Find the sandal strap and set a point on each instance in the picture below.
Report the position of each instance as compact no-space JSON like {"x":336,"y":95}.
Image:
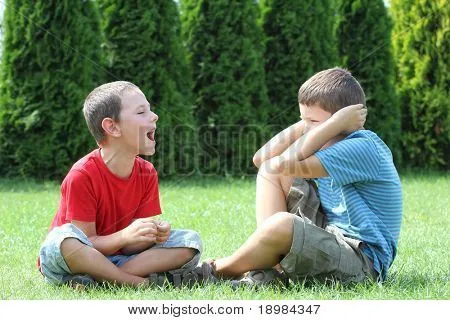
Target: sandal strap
{"x":177,"y":280}
{"x":202,"y":273}
{"x":269,"y":277}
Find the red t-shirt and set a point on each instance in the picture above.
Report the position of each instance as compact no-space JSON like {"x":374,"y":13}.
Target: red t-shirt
{"x":92,"y":193}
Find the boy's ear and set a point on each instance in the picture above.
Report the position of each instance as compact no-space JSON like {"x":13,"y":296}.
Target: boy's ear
{"x":111,"y":127}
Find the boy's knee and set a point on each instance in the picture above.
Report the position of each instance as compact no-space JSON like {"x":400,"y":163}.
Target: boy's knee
{"x":71,"y":246}
{"x":194,"y":246}
{"x":75,"y":253}
{"x":278,"y":228}
{"x":195,"y":238}
{"x":186,"y":254}
{"x":187,"y":239}
{"x":265,"y":172}
{"x":281,"y":221}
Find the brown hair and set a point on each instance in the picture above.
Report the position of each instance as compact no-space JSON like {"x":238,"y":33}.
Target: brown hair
{"x":332,"y":90}
{"x":104,"y":102}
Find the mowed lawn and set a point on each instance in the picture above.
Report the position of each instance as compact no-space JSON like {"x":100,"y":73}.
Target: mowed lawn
{"x":222,"y":211}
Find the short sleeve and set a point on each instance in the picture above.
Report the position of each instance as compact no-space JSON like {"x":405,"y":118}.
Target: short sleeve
{"x":351,"y":160}
{"x":78,"y":192}
{"x":150,"y":204}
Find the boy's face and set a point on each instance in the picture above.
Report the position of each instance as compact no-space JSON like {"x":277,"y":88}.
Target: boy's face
{"x":313,"y":116}
{"x":137,"y":123}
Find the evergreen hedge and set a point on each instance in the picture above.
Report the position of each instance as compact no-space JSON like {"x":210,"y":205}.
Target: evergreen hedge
{"x":364,"y":45}
{"x":144,"y":46}
{"x":300,"y":41}
{"x":421,"y":41}
{"x":225,"y":50}
{"x":52,"y":58}
{"x":51,"y":61}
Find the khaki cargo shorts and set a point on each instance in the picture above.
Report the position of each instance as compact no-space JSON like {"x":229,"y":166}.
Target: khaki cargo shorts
{"x":319,"y":250}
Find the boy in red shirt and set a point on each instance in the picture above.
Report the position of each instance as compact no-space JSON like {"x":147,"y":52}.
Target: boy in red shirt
{"x":104,"y":228}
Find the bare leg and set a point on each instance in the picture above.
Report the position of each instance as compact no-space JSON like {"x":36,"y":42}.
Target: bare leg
{"x":158,"y":260}
{"x":264,"y":248}
{"x":81,"y":258}
{"x":271,"y":192}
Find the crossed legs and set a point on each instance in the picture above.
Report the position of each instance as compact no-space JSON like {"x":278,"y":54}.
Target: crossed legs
{"x":82,"y":259}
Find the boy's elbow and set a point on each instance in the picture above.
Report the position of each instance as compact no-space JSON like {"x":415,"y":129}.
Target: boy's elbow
{"x":257,"y":160}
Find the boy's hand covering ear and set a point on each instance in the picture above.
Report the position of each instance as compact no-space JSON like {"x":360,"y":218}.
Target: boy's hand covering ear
{"x":350,"y":118}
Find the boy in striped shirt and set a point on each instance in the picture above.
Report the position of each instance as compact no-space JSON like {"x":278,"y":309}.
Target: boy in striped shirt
{"x":351,"y":234}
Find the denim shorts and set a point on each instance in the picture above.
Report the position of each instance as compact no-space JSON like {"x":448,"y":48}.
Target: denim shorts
{"x":56,"y":271}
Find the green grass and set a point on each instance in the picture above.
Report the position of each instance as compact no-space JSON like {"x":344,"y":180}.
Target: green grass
{"x":222,"y":211}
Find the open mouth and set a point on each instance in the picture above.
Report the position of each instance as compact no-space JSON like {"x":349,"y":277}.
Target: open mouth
{"x":151,"y":135}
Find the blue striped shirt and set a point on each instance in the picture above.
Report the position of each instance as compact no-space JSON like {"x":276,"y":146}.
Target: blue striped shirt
{"x":362,"y":195}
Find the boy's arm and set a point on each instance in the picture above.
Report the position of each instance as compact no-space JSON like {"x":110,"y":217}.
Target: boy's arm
{"x":279,"y":143}
{"x":141,"y":231}
{"x":163,"y":229}
{"x":137,"y":247}
{"x":299,"y":160}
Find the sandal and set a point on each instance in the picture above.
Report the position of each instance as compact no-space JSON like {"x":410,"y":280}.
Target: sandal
{"x":81,"y":282}
{"x":201,"y":274}
{"x":262,"y":278}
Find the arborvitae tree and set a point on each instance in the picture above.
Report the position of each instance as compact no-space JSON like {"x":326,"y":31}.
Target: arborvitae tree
{"x":300,"y":41}
{"x":51,"y":61}
{"x":144,"y":46}
{"x":421,"y":41}
{"x":364,"y":32}
{"x":229,"y":86}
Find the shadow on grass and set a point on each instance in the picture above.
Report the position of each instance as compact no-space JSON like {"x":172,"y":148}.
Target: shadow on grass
{"x":398,"y":286}
{"x":407,"y":280}
{"x":396,"y":280}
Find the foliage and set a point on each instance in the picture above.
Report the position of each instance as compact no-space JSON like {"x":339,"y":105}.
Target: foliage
{"x":51,"y":61}
{"x":144,"y":46}
{"x":364,"y":32}
{"x":421,"y":41}
{"x":225,"y":51}
{"x":300,"y":41}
